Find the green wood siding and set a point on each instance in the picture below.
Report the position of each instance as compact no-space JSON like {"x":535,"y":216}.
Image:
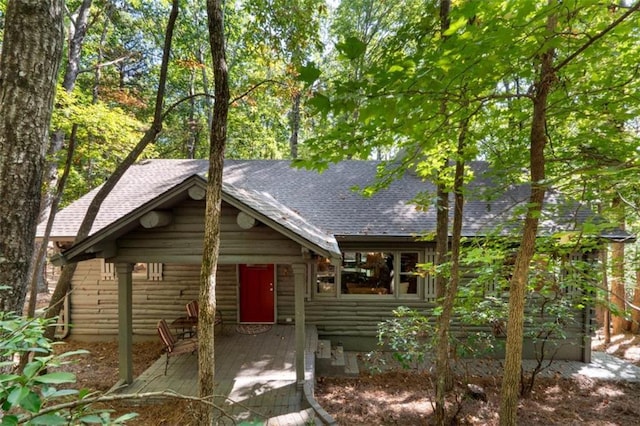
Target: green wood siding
{"x":181,"y":241}
{"x":94,"y":308}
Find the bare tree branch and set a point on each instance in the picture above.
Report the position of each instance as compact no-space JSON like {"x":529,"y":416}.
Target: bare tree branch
{"x":106,"y":64}
{"x":183,"y":100}
{"x":253,"y":88}
{"x":208,"y":400}
{"x":597,"y":37}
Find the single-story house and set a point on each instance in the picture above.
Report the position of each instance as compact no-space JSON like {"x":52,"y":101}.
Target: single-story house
{"x":296,"y":247}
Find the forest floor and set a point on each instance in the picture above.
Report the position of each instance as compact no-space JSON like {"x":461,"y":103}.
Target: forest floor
{"x":400,"y":397}
{"x":408,"y":397}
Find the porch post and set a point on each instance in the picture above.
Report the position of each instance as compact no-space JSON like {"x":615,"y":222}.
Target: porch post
{"x":125,"y":320}
{"x":300,"y":278}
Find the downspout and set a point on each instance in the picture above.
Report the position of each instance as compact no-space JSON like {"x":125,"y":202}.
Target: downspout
{"x":300,"y":278}
{"x":64,"y":319}
{"x":62,"y":327}
{"x":587,"y":314}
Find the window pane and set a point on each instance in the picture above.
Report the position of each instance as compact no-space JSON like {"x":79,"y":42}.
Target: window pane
{"x":408,"y":275}
{"x":367,"y":273}
{"x":326,"y":276}
{"x":140,"y":271}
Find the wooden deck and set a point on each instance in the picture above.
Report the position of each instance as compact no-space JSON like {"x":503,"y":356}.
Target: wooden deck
{"x":255,"y":377}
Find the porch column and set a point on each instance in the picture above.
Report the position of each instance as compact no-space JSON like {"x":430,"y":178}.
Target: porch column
{"x":300,"y":279}
{"x":125,"y":320}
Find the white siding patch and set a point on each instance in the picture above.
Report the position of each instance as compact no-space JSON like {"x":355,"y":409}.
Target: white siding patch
{"x":108,"y":271}
{"x":430,"y":279}
{"x":154,"y":271}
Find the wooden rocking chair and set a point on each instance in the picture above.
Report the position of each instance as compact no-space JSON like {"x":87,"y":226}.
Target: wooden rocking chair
{"x":192,"y":313}
{"x":173,"y":347}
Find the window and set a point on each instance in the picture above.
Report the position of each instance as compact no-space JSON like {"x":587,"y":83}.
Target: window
{"x":325,"y":277}
{"x":371,"y":274}
{"x":408,"y":273}
{"x":141,"y":271}
{"x":148,"y":271}
{"x":367,"y":273}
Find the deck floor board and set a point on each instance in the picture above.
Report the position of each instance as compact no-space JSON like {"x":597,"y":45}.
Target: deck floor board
{"x":256,"y":371}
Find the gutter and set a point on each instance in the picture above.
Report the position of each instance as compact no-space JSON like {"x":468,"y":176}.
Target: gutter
{"x":60,"y":259}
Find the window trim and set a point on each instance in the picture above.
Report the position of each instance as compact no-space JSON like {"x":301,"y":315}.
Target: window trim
{"x":152,"y":272}
{"x":423,"y":282}
{"x":314,"y":281}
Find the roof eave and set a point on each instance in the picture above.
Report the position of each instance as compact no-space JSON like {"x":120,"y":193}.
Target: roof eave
{"x":82,"y":250}
{"x":305,"y":242}
{"x":75,"y":253}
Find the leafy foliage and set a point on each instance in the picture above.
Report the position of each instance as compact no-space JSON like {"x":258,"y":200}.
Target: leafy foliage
{"x":31,"y":396}
{"x":106,"y":133}
{"x":563,"y":280}
{"x":408,"y":335}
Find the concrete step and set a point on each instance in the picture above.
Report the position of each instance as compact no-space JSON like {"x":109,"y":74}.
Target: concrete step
{"x":351,"y":364}
{"x":341,"y":364}
{"x":324,"y":349}
{"x":337,"y":356}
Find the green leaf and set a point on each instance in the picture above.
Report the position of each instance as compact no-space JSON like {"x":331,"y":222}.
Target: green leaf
{"x":72,"y":353}
{"x":63,"y":392}
{"x":320,"y":102}
{"x":8,"y":377}
{"x":49,"y":419}
{"x":32,"y":368}
{"x":84,"y":392}
{"x":17,"y":395}
{"x":91,"y":418}
{"x":125,"y":417}
{"x":31,"y":402}
{"x":56,"y":378}
{"x":9,"y":420}
{"x":308,"y":73}
{"x":455,"y":26}
{"x":352,"y":47}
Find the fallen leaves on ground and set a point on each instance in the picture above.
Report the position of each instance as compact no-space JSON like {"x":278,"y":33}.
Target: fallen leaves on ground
{"x":392,"y":398}
{"x":403,"y":398}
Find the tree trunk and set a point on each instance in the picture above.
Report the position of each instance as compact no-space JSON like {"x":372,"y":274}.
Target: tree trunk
{"x":618,"y":321}
{"x":211,"y":244}
{"x":294,"y":119}
{"x":192,"y":137}
{"x":442,"y":236}
{"x":77,"y":32}
{"x":31,"y":52}
{"x":442,"y":195}
{"x":64,"y":281}
{"x":444,"y":378}
{"x":38,"y":261}
{"x":97,"y":73}
{"x":518,"y":283}
{"x":635,"y":315}
{"x":205,"y":86}
{"x":606,"y":320}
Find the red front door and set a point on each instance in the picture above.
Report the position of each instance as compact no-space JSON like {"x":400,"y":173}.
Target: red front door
{"x":257,"y":294}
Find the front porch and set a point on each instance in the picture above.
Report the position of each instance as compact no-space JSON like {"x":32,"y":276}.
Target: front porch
{"x":255,"y":376}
